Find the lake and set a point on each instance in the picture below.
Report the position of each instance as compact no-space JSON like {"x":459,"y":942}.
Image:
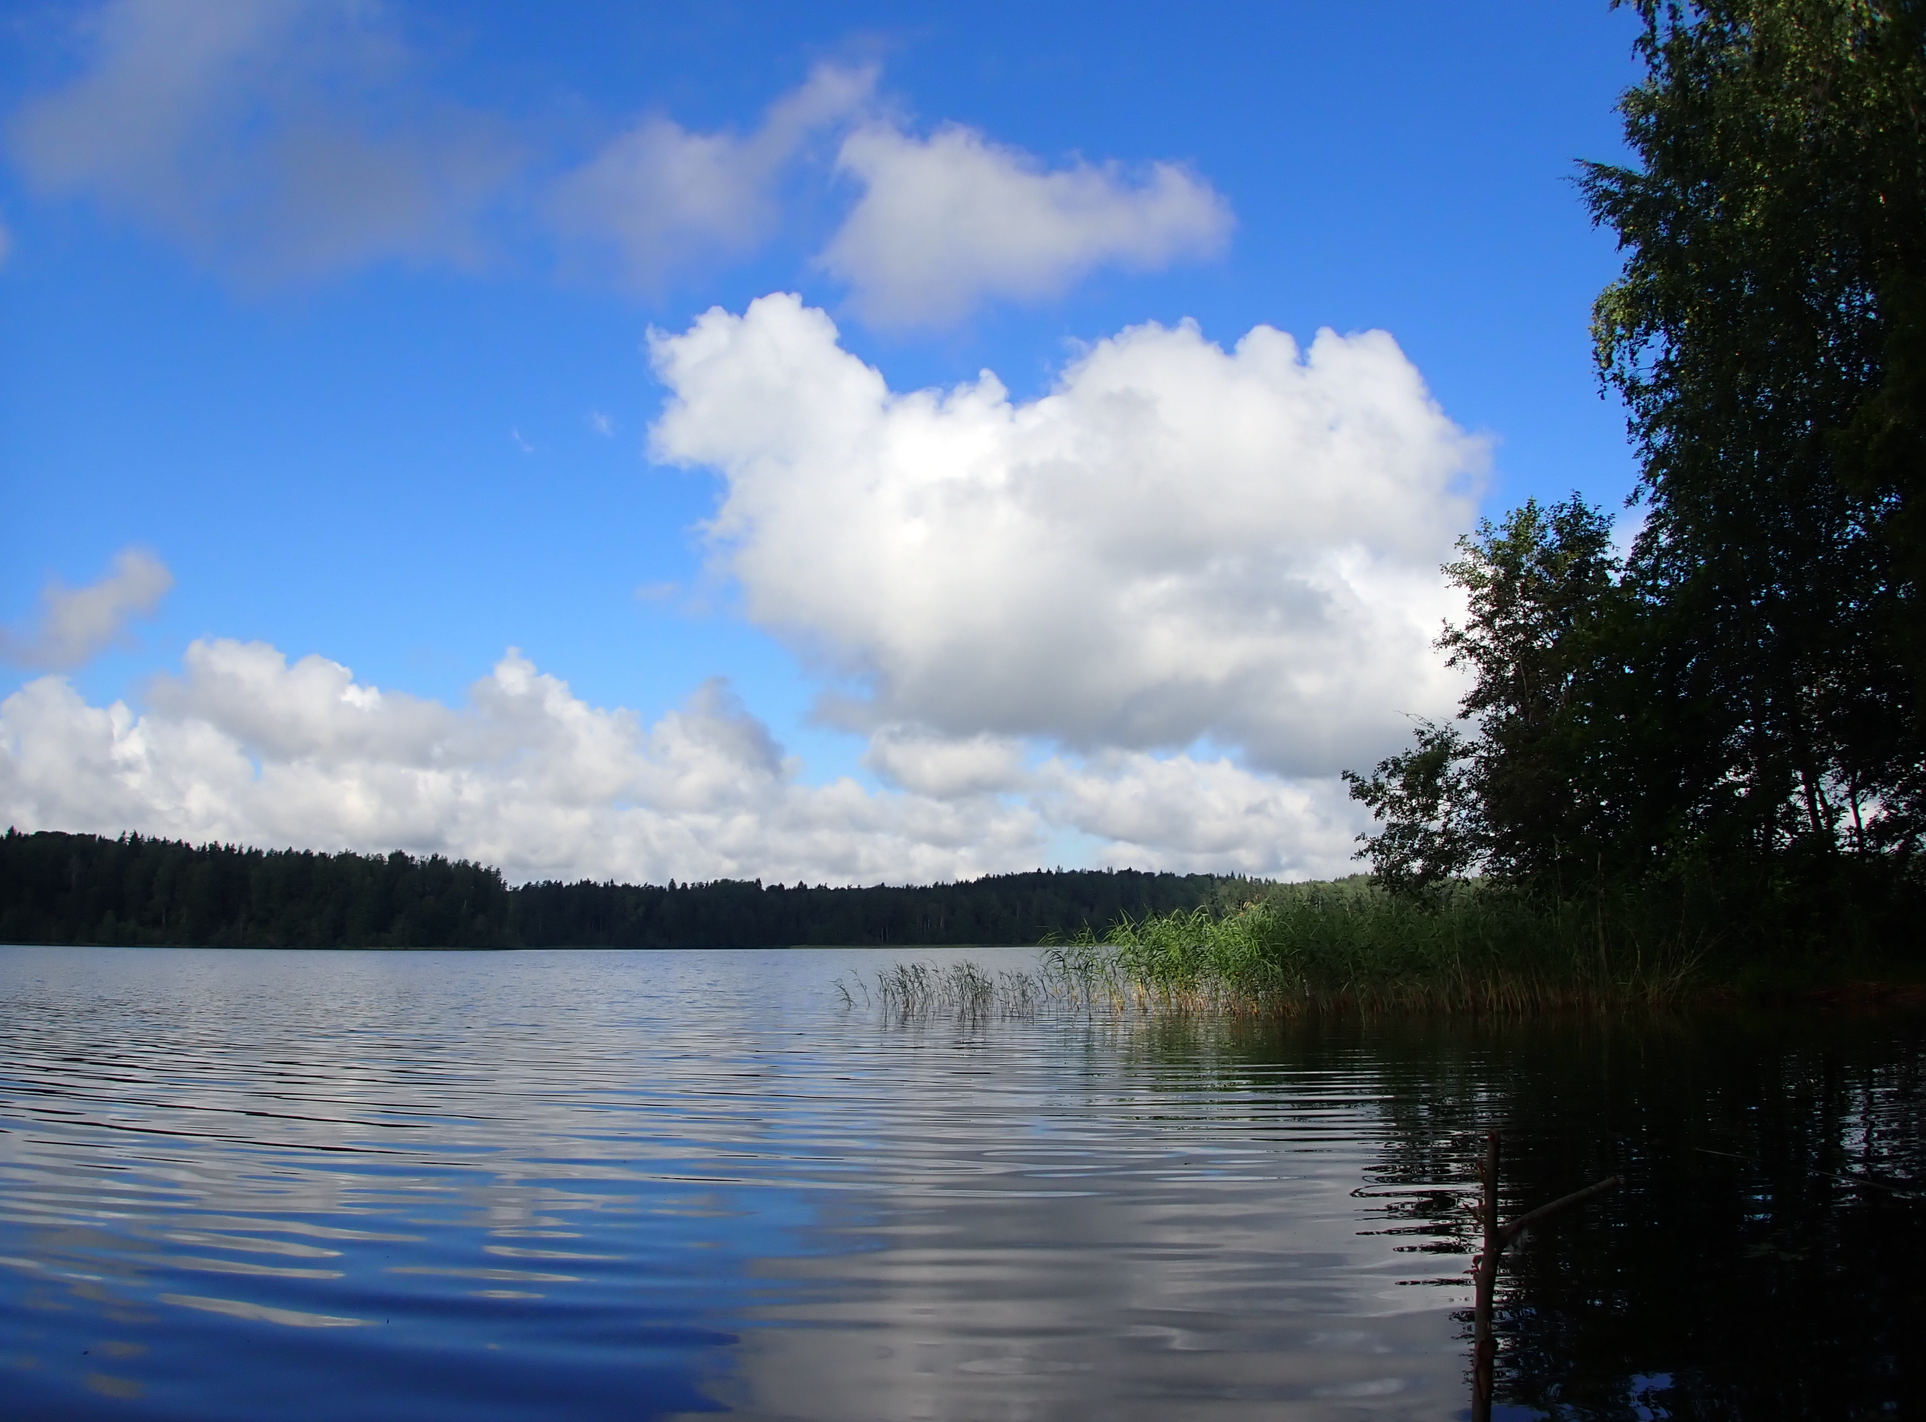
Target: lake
{"x":598,"y":1184}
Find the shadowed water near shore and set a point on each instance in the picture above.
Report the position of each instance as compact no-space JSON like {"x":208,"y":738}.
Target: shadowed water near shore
{"x":583,"y":1184}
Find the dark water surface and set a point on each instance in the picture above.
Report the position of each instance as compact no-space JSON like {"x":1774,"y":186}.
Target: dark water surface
{"x":630,"y":1185}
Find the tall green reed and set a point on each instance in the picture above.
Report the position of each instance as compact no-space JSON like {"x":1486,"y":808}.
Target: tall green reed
{"x":918,"y":991}
{"x":1351,"y":946}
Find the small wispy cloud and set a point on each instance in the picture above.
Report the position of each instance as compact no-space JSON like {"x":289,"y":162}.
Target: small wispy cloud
{"x":76,"y":624}
{"x":601,"y":423}
{"x":285,"y":140}
{"x":523,"y":445}
{"x":948,"y":221}
{"x":272,"y":139}
{"x":659,"y":196}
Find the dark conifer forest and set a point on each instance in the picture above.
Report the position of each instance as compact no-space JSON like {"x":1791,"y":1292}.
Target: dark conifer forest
{"x":79,"y":888}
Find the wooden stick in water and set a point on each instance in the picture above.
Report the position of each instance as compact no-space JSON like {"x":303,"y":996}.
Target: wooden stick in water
{"x":1484,"y":1348}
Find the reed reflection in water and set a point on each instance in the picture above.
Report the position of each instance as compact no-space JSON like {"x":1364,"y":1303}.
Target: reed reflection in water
{"x":656,"y":1184}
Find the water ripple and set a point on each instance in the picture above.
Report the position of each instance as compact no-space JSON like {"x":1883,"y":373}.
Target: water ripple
{"x":554,"y":1185}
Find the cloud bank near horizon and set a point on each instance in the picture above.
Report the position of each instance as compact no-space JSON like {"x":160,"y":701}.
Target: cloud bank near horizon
{"x":1145,"y":619}
{"x":244,"y":746}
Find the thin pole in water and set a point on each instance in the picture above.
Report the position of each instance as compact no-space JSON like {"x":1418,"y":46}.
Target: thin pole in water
{"x":1484,"y":1348}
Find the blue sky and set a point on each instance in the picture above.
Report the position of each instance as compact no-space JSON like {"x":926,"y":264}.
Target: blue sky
{"x":339,"y":317}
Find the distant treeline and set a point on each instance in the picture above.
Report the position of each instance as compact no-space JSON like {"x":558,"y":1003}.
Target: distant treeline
{"x":80,"y":888}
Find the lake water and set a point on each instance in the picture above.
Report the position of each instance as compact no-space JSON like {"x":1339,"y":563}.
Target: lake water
{"x":607,"y":1184}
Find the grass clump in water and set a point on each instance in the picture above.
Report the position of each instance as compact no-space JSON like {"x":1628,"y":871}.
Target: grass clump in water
{"x":1349,"y":945}
{"x":922,"y":990}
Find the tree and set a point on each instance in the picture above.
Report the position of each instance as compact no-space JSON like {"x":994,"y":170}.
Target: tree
{"x":1744,"y":705}
{"x":1500,"y":793}
{"x":1765,"y":335}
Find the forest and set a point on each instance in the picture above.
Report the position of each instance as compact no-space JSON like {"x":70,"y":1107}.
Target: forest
{"x":79,"y":888}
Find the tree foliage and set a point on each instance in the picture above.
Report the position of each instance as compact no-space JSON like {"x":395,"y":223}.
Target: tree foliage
{"x":1763,"y":336}
{"x":1742,"y":700}
{"x":1495,"y":793}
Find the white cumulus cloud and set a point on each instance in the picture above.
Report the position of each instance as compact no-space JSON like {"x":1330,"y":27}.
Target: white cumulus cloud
{"x":74,"y":624}
{"x":659,"y":195}
{"x":245,"y":746}
{"x":949,"y":220}
{"x":1178,"y":543}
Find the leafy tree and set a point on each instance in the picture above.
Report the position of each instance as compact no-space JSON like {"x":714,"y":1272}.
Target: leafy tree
{"x":1882,"y":462}
{"x":1432,"y":829}
{"x":1765,"y":335}
{"x":1496,"y":793}
{"x":1739,"y":708}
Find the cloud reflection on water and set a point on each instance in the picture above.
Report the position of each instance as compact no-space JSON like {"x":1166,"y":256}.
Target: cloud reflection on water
{"x":558,"y":1184}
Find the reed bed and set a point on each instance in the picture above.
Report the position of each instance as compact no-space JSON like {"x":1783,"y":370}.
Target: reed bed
{"x":1352,"y":947}
{"x":1346,"y":947}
